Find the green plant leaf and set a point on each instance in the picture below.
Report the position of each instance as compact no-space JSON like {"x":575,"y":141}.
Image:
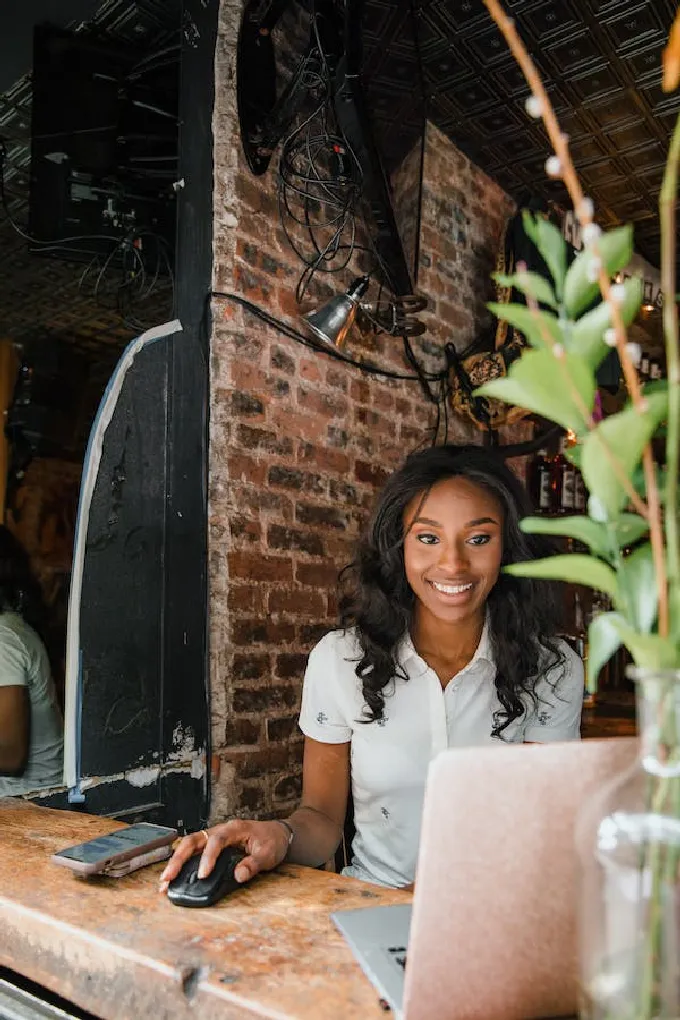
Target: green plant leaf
{"x":638,"y":589}
{"x":639,"y":484}
{"x":615,"y":249}
{"x":626,"y":434}
{"x":648,"y":650}
{"x":629,"y":528}
{"x":529,"y":323}
{"x":573,"y":567}
{"x":574,"y":454}
{"x":550,"y":243}
{"x":603,"y":640}
{"x":537,"y":381}
{"x":581,"y":528}
{"x":530,"y":284}
{"x":586,"y":335}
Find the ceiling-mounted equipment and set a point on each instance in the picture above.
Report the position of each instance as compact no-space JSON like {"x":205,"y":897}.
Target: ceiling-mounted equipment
{"x":328,"y":73}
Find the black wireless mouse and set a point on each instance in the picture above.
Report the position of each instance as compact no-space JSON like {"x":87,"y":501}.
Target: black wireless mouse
{"x":188,"y":890}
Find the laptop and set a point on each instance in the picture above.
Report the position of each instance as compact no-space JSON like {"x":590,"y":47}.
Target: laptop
{"x":492,"y":931}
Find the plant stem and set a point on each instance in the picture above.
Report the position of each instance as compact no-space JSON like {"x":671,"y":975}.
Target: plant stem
{"x":560,"y":145}
{"x":667,"y":217}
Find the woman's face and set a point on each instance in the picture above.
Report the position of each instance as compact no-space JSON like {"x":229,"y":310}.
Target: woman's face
{"x":453,"y":548}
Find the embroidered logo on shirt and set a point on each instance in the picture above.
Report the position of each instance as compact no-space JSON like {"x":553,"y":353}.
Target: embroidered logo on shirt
{"x":385,"y":813}
{"x":544,"y":718}
{"x":321,"y":718}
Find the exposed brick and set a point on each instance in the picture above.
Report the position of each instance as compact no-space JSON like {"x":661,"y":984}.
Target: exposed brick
{"x":242,"y":731}
{"x":360,"y":390}
{"x":252,"y":763}
{"x":260,"y":439}
{"x":243,"y":528}
{"x":320,"y":516}
{"x":337,"y":378}
{"x":338,"y":437}
{"x":246,"y":598}
{"x":291,"y":665}
{"x":311,"y":633}
{"x":342,"y":492}
{"x":280,"y":537}
{"x":300,"y":481}
{"x":282,"y":361}
{"x":310,"y":370}
{"x":323,"y":458}
{"x":288,"y":788}
{"x":251,"y":797}
{"x":297,"y":602}
{"x":326,"y":404}
{"x":318,"y":575}
{"x":246,"y":469}
{"x":252,"y":632}
{"x":372,"y":474}
{"x":264,"y":699}
{"x":263,"y":500}
{"x":282,"y":729}
{"x":250,"y":667}
{"x":246,"y":403}
{"x":258,"y":567}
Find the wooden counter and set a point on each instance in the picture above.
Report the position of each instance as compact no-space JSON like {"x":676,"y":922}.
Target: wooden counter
{"x":118,"y":949}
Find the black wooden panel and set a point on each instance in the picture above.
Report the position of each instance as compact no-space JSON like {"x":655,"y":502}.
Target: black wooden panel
{"x":122,"y":596}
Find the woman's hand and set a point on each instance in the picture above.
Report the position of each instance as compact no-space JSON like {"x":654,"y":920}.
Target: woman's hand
{"x":265,"y":845}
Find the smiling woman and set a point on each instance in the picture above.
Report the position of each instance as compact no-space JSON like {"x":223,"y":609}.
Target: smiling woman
{"x":438,"y":648}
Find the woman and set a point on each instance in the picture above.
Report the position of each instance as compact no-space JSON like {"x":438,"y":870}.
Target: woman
{"x":31,"y":728}
{"x":437,"y":649}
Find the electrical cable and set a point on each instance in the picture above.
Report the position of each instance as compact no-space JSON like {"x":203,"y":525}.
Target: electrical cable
{"x":332,"y":352}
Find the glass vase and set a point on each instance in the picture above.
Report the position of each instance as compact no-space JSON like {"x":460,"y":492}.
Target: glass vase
{"x":628,"y":838}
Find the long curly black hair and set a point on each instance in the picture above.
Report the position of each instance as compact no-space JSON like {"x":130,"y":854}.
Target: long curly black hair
{"x":378,"y":602}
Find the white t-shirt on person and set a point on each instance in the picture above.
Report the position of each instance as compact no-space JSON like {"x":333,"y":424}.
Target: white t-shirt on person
{"x":390,"y":758}
{"x":24,"y":663}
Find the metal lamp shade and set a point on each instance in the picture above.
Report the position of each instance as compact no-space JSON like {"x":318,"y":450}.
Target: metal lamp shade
{"x":332,"y":322}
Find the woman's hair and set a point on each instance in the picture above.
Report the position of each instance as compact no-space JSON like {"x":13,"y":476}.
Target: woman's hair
{"x":19,"y":591}
{"x":377,"y":600}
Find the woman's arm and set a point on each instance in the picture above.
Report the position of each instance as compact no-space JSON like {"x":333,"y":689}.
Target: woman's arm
{"x":15,"y":719}
{"x":317,"y":824}
{"x":319,"y":821}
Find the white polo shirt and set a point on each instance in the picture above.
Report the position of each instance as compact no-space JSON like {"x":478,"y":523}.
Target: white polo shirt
{"x":390,"y":758}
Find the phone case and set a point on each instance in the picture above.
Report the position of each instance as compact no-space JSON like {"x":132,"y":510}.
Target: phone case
{"x":161,"y":853}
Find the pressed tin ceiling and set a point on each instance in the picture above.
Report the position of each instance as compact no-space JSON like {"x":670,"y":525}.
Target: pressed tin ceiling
{"x":42,"y":298}
{"x":600,"y":60}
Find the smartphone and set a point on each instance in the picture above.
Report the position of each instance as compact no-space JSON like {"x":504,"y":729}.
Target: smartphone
{"x":101,"y":853}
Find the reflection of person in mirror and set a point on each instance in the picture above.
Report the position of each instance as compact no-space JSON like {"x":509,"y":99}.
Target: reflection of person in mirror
{"x":31,"y":725}
{"x":437,"y":648}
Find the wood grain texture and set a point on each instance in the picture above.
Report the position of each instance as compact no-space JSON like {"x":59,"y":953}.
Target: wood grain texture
{"x":117,"y":948}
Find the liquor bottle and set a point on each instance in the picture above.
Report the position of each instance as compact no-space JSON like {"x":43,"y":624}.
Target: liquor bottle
{"x":567,"y":481}
{"x":539,"y":484}
{"x":654,"y":369}
{"x":580,"y":493}
{"x":644,"y":367}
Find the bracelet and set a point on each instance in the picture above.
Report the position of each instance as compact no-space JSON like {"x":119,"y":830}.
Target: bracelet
{"x":289,"y":828}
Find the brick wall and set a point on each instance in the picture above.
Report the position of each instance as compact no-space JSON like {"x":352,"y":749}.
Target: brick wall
{"x":299,"y":443}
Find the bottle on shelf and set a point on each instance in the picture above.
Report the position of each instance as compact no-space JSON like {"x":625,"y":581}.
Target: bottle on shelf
{"x":644,"y":366}
{"x":565,"y":480}
{"x":539,"y":482}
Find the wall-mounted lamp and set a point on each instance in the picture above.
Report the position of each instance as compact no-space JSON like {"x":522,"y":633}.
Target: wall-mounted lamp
{"x":332,"y":322}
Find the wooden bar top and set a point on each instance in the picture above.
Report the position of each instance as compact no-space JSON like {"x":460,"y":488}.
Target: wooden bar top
{"x":121,"y":951}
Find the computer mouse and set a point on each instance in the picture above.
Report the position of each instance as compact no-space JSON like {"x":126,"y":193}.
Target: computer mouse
{"x":188,"y":890}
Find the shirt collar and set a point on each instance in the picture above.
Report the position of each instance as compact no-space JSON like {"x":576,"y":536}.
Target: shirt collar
{"x":415,"y":666}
